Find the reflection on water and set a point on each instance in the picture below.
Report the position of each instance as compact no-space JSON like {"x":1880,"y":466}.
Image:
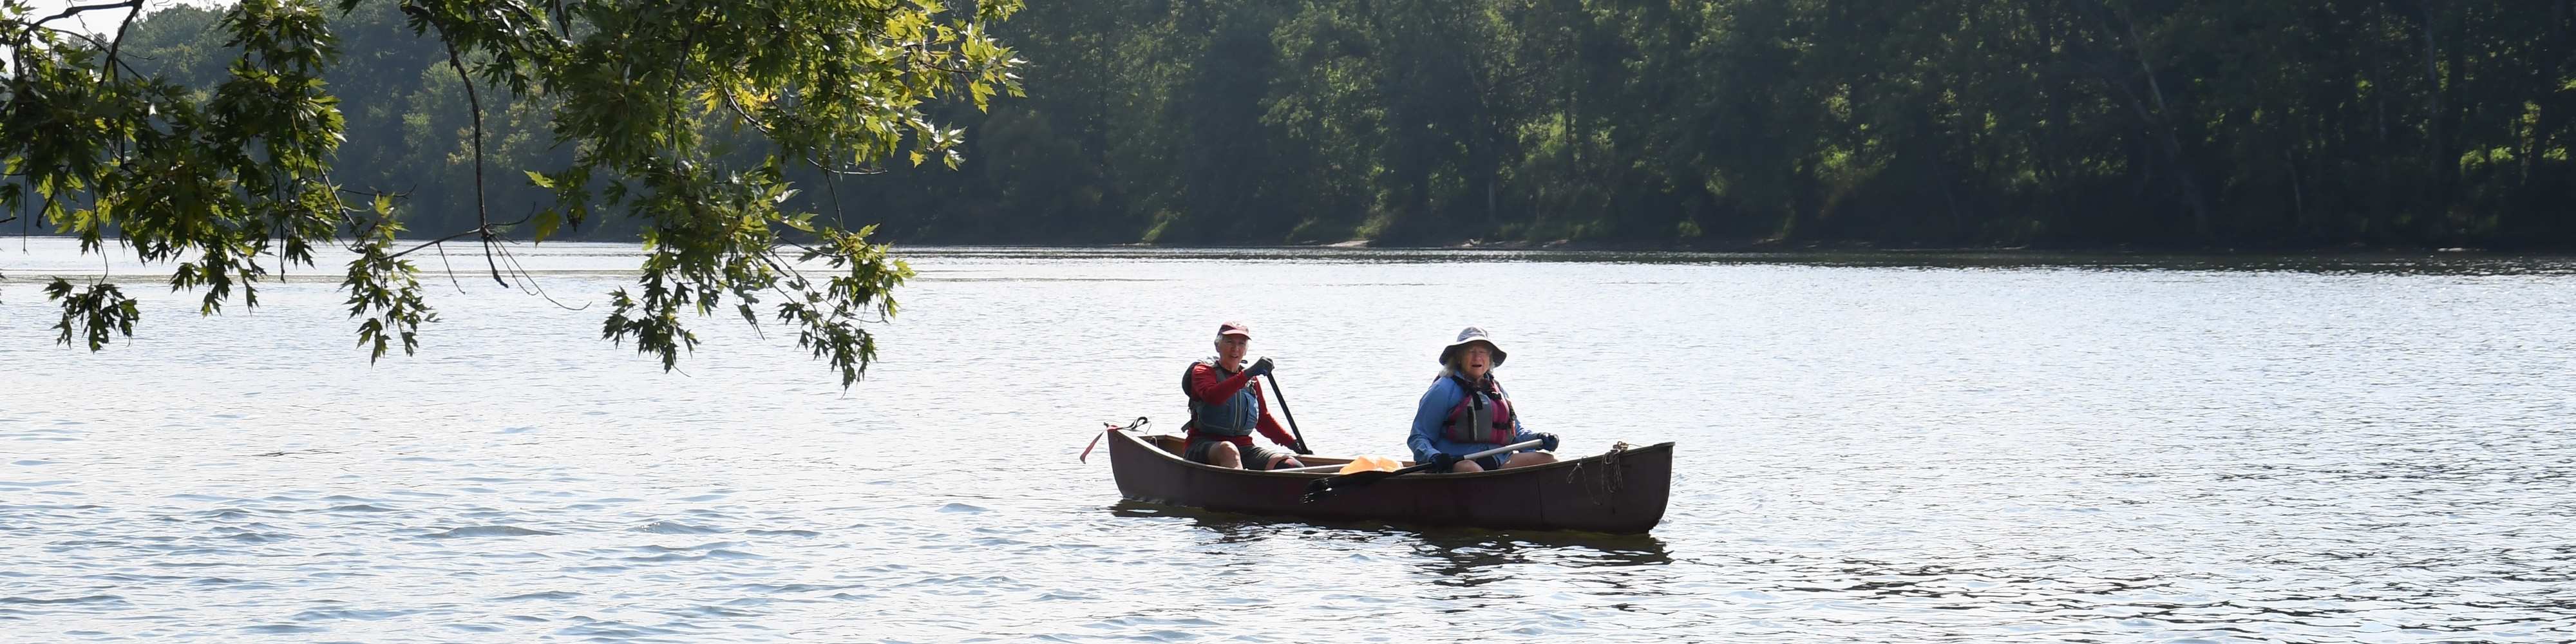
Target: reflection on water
{"x":1475,"y":557}
{"x":1874,"y":447}
{"x":1450,"y":556}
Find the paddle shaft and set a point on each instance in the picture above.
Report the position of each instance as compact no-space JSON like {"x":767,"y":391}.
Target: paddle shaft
{"x":1514,"y":447}
{"x":1283,"y":410}
{"x":1326,"y":487}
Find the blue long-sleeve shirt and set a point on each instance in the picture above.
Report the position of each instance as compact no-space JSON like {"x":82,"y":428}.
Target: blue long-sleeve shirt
{"x":1427,"y":438}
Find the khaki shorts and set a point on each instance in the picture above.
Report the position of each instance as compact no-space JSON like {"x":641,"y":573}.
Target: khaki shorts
{"x":1255,"y":457}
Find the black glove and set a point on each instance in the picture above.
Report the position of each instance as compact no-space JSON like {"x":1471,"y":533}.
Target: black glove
{"x":1441,"y":462}
{"x":1547,"y":441}
{"x":1259,"y":368}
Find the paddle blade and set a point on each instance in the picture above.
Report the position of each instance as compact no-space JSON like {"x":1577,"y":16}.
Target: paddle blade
{"x":1325,"y":488}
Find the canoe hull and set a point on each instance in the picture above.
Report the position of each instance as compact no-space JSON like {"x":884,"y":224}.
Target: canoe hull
{"x":1620,"y":492}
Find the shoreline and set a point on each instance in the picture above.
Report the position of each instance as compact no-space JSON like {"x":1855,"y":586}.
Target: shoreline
{"x":1849,"y":247}
{"x":1744,"y":247}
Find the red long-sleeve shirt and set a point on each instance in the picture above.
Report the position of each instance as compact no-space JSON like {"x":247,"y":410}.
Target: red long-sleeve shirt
{"x":1207,"y":387}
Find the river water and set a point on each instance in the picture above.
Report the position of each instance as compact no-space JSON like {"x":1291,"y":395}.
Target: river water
{"x":1894,"y":447}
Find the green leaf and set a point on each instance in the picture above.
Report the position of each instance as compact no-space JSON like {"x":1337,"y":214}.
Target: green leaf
{"x":546,"y":221}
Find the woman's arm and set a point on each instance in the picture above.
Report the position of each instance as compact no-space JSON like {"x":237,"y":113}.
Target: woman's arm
{"x":1427,"y":417}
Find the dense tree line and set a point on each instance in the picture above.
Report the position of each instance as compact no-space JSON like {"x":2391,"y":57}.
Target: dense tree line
{"x":2071,"y":123}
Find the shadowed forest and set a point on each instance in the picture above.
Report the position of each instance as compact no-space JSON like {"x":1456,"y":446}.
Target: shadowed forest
{"x":2263,"y":124}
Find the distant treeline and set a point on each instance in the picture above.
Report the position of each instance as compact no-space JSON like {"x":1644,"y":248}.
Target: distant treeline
{"x":2062,"y":123}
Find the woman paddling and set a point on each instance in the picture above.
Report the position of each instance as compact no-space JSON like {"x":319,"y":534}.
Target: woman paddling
{"x":1466,"y":412}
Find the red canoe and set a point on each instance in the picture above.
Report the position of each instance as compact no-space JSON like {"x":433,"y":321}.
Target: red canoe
{"x":1619,"y":492}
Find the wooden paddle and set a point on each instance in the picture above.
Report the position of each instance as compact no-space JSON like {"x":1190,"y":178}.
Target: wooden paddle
{"x":1325,"y":488}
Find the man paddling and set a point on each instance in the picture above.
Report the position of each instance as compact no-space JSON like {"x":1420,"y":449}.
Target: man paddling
{"x":1225,"y":409}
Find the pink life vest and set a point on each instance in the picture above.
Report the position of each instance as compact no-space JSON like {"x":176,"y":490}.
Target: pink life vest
{"x":1484,"y":415}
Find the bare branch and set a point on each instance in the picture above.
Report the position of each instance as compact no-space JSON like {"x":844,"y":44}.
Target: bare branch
{"x":531,"y":278}
{"x":487,"y":260}
{"x":434,"y":242}
{"x":136,"y":5}
{"x":473,"y":102}
{"x":119,"y":42}
{"x":451,"y":270}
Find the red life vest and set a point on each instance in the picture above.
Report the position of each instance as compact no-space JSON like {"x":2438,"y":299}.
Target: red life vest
{"x":1484,"y":415}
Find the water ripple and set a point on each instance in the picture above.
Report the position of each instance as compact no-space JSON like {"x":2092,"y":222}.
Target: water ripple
{"x":1970,"y":449}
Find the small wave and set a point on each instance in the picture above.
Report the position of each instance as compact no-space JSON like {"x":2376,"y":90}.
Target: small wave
{"x":281,"y":629}
{"x":551,"y":594}
{"x":489,"y":531}
{"x":359,"y":507}
{"x":90,"y":599}
{"x":612,"y":630}
{"x":715,"y":611}
{"x":674,"y":527}
{"x":348,"y":613}
{"x":712,"y":545}
{"x":961,"y":507}
{"x":783,"y":533}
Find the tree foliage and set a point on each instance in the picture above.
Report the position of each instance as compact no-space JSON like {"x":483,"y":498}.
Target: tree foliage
{"x":2062,"y":123}
{"x":684,"y":120}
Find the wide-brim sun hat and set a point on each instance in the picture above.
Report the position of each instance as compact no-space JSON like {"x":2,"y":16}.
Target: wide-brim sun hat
{"x":1472,"y":335}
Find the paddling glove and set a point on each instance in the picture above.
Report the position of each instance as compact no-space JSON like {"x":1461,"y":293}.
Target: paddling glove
{"x":1259,"y":368}
{"x":1547,"y":441}
{"x":1441,"y":462}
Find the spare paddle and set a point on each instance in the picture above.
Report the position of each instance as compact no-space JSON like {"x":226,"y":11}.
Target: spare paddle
{"x":1325,"y":488}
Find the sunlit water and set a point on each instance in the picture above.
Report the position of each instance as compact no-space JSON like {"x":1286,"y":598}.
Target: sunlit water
{"x":1896,"y":448}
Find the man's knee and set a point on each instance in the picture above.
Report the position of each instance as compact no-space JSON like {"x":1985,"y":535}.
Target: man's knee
{"x":1466,"y":466}
{"x":1225,"y":454}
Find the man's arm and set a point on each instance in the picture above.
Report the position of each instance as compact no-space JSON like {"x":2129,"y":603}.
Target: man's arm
{"x":1206,"y":387}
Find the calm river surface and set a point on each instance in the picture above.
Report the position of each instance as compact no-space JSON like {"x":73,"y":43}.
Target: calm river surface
{"x":1873,"y":448}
